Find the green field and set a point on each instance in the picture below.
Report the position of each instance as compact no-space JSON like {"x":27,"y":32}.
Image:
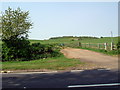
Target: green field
{"x":71,"y":40}
{"x":101,"y":40}
{"x":56,"y":63}
{"x":74,"y":42}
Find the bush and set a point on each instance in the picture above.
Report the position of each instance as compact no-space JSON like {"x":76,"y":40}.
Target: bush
{"x":118,"y":45}
{"x":43,"y":51}
{"x":21,"y":50}
{"x":16,"y":50}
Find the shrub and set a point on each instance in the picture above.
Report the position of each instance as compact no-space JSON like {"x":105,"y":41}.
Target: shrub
{"x":23,"y":51}
{"x":16,"y":50}
{"x":43,"y":51}
{"x":118,"y":45}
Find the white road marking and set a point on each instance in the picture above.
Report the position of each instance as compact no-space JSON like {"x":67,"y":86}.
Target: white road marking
{"x":77,"y":70}
{"x":31,"y":72}
{"x":24,"y":87}
{"x":72,"y":86}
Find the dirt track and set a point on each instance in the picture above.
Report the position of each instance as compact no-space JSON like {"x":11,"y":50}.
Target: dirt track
{"x":98,"y":59}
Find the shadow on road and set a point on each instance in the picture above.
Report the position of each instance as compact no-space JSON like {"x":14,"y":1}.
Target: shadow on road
{"x":59,"y":80}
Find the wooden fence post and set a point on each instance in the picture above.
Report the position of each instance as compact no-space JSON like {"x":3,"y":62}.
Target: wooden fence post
{"x":98,"y":46}
{"x":79,"y":44}
{"x":105,"y":44}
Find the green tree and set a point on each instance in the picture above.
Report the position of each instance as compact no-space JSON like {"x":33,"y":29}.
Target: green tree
{"x":15,"y":25}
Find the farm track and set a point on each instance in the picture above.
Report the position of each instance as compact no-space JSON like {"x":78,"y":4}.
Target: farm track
{"x":93,"y":59}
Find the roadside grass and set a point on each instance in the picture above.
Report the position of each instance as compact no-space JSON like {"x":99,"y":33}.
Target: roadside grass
{"x":111,"y":53}
{"x":55,"y":63}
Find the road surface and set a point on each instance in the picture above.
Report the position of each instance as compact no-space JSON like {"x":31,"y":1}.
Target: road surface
{"x":59,"y":80}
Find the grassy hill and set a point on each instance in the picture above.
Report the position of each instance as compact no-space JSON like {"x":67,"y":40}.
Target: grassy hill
{"x":77,"y":39}
{"x":71,"y":39}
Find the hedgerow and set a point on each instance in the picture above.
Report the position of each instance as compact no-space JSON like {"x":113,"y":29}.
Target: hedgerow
{"x":23,"y":51}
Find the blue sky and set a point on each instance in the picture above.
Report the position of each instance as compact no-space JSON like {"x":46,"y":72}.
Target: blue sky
{"x":52,"y":19}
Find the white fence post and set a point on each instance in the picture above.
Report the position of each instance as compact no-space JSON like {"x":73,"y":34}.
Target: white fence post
{"x":112,"y":45}
{"x":105,"y":46}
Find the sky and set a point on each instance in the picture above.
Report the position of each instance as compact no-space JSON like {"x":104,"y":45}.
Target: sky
{"x":53,"y":19}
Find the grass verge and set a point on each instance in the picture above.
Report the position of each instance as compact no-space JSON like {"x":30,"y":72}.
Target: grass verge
{"x":56,"y":63}
{"x":111,"y":53}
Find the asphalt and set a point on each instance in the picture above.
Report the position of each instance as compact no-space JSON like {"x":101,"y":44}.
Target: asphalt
{"x":60,"y":79}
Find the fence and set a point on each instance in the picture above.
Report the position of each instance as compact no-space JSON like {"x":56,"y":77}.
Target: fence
{"x":106,"y":46}
{"x":74,"y":44}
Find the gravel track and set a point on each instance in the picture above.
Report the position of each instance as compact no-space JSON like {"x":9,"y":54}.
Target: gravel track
{"x":95,"y":59}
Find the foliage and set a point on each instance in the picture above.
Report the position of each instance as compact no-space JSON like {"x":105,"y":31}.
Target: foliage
{"x":43,"y":51}
{"x":118,"y":45}
{"x":16,"y":47}
{"x":75,"y":37}
{"x":15,"y":23}
{"x":16,"y":50}
{"x":24,"y":51}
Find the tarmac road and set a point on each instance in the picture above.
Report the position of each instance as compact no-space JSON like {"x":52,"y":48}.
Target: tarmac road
{"x":60,"y":79}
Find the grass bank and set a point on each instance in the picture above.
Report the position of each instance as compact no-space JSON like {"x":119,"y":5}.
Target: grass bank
{"x":111,"y":53}
{"x":56,"y":63}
